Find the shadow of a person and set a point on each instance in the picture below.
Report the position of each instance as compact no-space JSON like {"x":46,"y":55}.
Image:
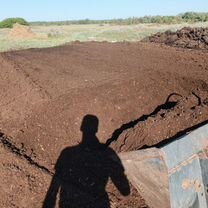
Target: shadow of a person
{"x":82,"y":172}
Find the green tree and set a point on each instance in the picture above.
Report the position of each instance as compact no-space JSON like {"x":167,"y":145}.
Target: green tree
{"x":9,"y":22}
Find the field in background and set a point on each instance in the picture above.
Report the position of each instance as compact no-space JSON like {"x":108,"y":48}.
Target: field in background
{"x":50,"y":36}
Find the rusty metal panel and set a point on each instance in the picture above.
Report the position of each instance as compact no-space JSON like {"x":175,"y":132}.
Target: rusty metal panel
{"x":183,"y":148}
{"x":175,"y":175}
{"x":147,"y":171}
{"x":186,"y":171}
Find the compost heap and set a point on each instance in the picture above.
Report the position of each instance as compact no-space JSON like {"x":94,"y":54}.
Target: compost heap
{"x":187,"y":37}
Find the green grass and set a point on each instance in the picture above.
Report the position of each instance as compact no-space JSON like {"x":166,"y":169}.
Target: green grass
{"x":50,"y":36}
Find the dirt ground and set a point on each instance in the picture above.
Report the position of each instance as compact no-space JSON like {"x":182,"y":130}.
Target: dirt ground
{"x":124,"y":96}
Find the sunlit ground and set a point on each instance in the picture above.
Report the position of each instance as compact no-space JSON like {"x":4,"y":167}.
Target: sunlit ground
{"x":50,"y":36}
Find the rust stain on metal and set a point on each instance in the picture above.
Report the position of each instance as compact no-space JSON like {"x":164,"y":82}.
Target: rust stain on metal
{"x":182,"y":164}
{"x":189,"y":184}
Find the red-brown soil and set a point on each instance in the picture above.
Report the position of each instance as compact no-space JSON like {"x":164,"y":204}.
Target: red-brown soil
{"x":192,"y":38}
{"x":142,"y":94}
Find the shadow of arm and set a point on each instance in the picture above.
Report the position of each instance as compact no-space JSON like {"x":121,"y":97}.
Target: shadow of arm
{"x":118,"y":176}
{"x":50,"y":199}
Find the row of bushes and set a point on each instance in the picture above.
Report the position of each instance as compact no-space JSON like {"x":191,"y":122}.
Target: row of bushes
{"x":190,"y":17}
{"x":9,"y":22}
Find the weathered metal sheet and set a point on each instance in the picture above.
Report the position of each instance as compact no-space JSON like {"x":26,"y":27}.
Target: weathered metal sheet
{"x":147,"y":171}
{"x":175,"y":175}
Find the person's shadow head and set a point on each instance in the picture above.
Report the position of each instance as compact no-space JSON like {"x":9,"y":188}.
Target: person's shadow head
{"x":89,"y":128}
{"x":89,"y":124}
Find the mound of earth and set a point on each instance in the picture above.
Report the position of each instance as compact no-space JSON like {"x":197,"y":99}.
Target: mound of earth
{"x":170,"y":120}
{"x":193,"y":38}
{"x":21,"y":32}
{"x":138,"y":94}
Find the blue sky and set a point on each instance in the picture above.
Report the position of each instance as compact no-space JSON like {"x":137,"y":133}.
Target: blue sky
{"x":52,"y":10}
